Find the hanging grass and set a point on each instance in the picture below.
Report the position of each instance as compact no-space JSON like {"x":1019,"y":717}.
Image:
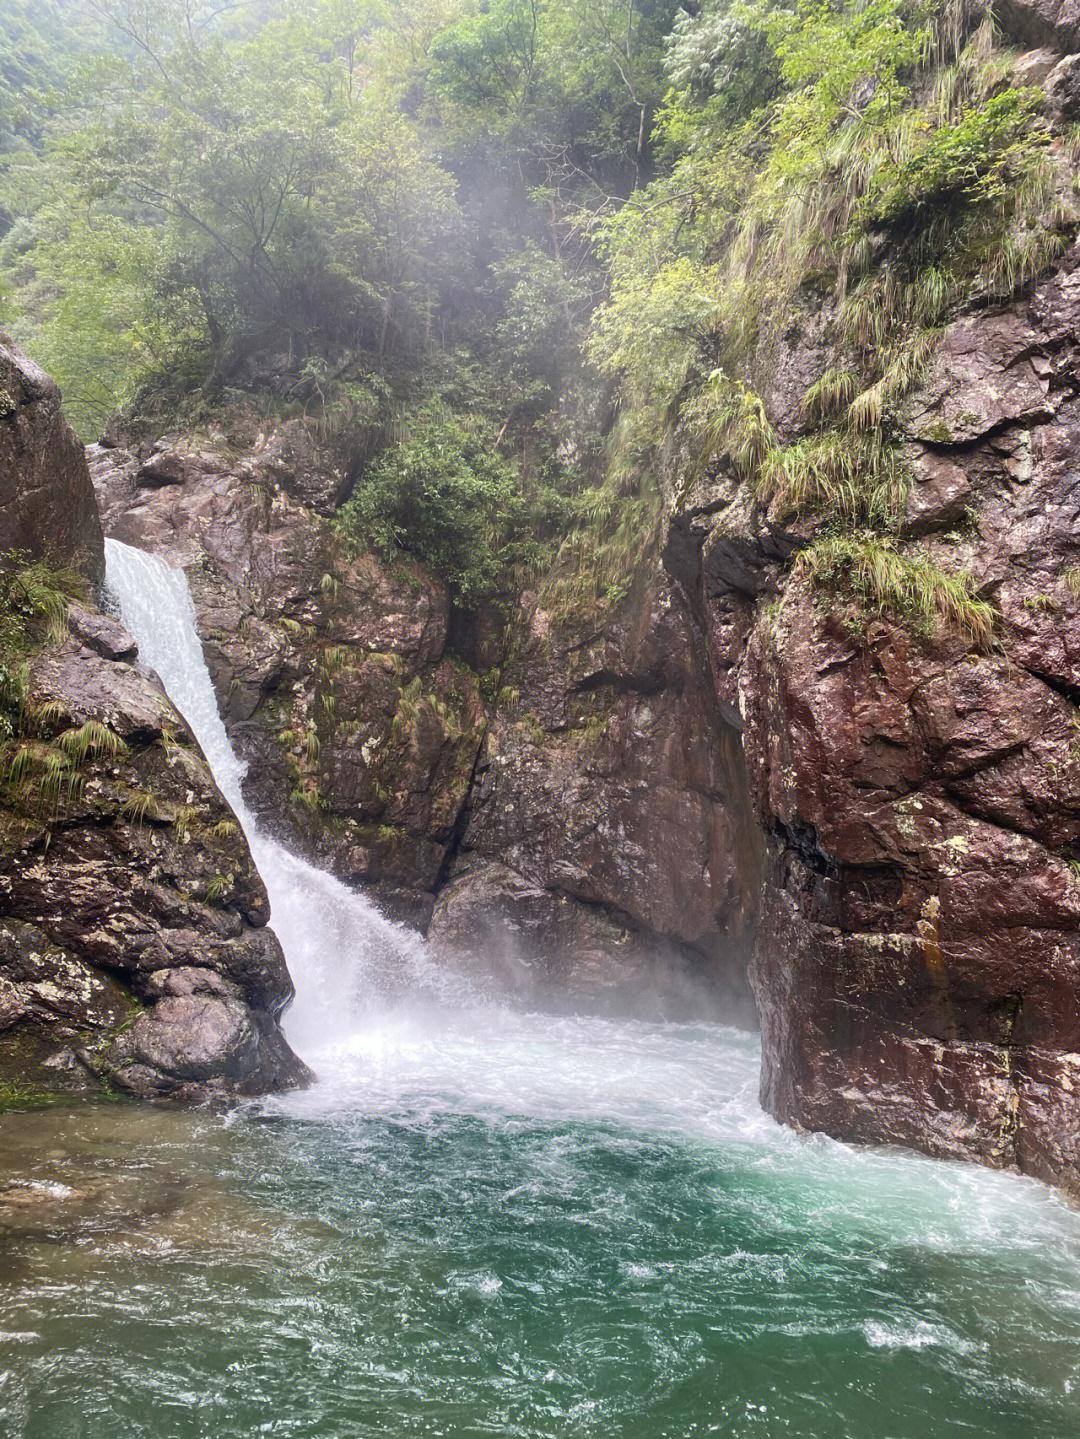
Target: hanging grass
{"x":898,"y":177}
{"x":92,"y":740}
{"x":854,"y":477}
{"x":910,"y":588}
{"x":831,"y":394}
{"x":34,"y":600}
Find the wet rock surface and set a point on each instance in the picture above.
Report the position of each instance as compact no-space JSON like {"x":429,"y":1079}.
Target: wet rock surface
{"x":917,"y":960}
{"x":121,"y":865}
{"x":618,"y":808}
{"x":140,"y":869}
{"x":607,"y":849}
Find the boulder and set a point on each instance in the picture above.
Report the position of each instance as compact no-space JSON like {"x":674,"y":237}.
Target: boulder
{"x":47,"y":505}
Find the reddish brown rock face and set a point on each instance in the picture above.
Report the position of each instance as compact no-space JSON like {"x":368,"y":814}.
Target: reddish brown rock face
{"x":917,"y":963}
{"x":136,"y":874}
{"x":588,"y":843}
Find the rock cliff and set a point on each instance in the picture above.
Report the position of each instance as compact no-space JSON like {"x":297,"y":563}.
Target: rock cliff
{"x":742,"y":756}
{"x":563,"y":814}
{"x":607,"y":855}
{"x":133,"y":941}
{"x":918,"y":954}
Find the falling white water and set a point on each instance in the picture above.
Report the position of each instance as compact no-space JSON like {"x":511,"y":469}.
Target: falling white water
{"x":409,"y":1060}
{"x":342,"y":954}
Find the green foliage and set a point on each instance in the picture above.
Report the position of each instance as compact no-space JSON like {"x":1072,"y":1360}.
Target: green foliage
{"x":217,"y":186}
{"x":552,"y":80}
{"x":832,"y":393}
{"x":91,"y":740}
{"x":852,"y":476}
{"x":33,"y":610}
{"x":138,"y":807}
{"x":614,"y":523}
{"x":446,"y":494}
{"x":858,"y":181}
{"x":648,"y":334}
{"x":980,"y":160}
{"x":908,"y":587}
{"x":445,"y":235}
{"x":221,"y":194}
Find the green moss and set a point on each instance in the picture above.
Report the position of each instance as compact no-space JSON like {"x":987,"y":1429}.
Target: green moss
{"x":21,"y":1096}
{"x":939,"y":433}
{"x":27,"y":1080}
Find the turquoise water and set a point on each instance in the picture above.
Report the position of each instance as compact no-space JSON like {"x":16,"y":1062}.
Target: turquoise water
{"x":496,"y":1224}
{"x":484,"y":1223}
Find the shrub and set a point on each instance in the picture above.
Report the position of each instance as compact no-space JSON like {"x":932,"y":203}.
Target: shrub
{"x":981,"y":160}
{"x":446,"y":495}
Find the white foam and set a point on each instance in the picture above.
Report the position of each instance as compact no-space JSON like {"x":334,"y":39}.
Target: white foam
{"x":381,"y":1051}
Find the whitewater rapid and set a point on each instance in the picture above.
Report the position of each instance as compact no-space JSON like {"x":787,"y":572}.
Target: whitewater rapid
{"x":387,"y":1031}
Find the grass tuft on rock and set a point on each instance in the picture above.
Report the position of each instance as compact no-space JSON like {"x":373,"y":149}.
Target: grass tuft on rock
{"x":910,"y":588}
{"x":33,"y":612}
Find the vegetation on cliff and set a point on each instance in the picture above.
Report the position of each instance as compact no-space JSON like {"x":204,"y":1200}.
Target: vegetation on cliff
{"x":33,"y":609}
{"x":495,"y":254}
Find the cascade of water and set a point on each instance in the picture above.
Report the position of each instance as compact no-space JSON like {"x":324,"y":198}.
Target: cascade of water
{"x":488,"y":1217}
{"x":343,"y":955}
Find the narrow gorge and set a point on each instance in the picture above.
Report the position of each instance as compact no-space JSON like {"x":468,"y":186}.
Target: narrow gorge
{"x":724,"y":771}
{"x":540,"y":719}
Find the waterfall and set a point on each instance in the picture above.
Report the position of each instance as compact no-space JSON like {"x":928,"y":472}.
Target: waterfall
{"x":345,"y":958}
{"x":386,"y":1028}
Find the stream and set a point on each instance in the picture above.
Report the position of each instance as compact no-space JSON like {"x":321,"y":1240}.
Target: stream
{"x":483,"y":1222}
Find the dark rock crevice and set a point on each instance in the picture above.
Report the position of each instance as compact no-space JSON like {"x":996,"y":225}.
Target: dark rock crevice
{"x":1068,"y":691}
